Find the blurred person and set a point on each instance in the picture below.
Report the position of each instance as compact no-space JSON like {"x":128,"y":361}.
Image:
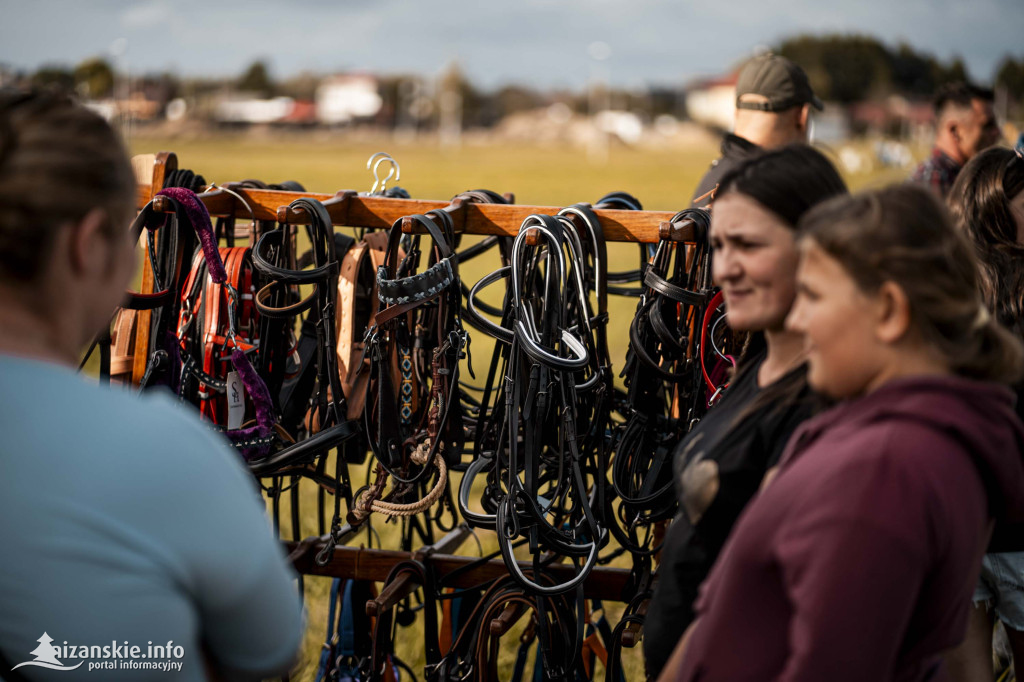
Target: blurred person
{"x":723,"y":459}
{"x":857,"y":561}
{"x":126,"y":522}
{"x":773,"y":103}
{"x":965,"y":125}
{"x":987,"y":202}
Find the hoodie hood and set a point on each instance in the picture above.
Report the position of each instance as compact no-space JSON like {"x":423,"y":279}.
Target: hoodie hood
{"x":978,"y":415}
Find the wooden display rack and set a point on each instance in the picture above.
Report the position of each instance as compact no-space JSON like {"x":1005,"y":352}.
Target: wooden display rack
{"x":349,"y":209}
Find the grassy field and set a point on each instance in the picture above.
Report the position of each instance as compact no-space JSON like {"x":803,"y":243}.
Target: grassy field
{"x":661,"y":179}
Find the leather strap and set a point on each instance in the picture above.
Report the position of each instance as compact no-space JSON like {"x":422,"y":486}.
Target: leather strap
{"x":357,"y":289}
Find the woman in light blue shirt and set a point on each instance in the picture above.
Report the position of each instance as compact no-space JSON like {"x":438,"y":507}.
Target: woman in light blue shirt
{"x":134,"y":542}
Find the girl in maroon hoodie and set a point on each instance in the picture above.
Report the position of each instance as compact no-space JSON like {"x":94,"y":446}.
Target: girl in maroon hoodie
{"x":858,"y":561}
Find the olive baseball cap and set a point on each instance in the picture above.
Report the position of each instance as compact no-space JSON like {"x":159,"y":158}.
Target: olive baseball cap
{"x":782,"y":83}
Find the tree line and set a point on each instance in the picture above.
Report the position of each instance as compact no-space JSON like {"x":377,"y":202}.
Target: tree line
{"x":841,"y":68}
{"x":853,"y":68}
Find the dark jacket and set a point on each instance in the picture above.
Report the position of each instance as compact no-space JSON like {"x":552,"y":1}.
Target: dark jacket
{"x":859,"y":560}
{"x":735,"y":150}
{"x":1009,"y":537}
{"x":742,"y":436}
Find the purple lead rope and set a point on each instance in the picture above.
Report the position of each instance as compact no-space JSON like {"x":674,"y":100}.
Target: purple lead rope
{"x":200,"y":218}
{"x":253,"y":441}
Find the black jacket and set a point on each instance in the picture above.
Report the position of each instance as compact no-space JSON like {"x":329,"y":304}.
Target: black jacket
{"x":735,"y":150}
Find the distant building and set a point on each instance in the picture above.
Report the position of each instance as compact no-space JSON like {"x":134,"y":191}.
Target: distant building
{"x":238,"y":110}
{"x":712,"y":102}
{"x":303,"y":113}
{"x":624,"y":125}
{"x":347,"y":98}
{"x":136,"y":107}
{"x":895,"y":116}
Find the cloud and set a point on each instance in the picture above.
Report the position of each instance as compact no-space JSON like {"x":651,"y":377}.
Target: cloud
{"x":147,"y":15}
{"x":541,"y":43}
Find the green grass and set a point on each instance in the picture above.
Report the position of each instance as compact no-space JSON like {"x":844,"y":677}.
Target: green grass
{"x":553,"y":176}
{"x":663,"y":180}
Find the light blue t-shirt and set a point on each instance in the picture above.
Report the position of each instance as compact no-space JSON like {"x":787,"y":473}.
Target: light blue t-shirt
{"x":126,"y":520}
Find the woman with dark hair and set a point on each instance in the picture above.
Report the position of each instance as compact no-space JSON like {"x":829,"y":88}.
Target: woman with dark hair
{"x":125,"y":520}
{"x":722,"y":461}
{"x":987,"y":202}
{"x":857,"y":560}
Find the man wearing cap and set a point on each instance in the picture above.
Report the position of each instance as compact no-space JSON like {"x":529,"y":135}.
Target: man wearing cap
{"x":773,"y":101}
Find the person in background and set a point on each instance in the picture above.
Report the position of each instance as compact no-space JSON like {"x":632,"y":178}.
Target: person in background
{"x":965,"y":124}
{"x":857,"y":561}
{"x":124,"y":519}
{"x":723,"y":459}
{"x":773,"y":103}
{"x":987,"y":202}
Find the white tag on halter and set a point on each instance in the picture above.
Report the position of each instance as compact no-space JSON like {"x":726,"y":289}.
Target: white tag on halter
{"x":236,"y":401}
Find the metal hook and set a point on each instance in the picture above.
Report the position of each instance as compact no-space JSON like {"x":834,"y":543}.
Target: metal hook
{"x":395,"y":171}
{"x":369,"y":164}
{"x":214,"y":185}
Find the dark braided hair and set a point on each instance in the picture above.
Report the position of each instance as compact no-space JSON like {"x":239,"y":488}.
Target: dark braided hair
{"x":58,"y":161}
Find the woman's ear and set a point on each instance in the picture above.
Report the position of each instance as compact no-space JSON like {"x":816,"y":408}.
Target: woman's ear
{"x":89,"y":243}
{"x":892,"y":306}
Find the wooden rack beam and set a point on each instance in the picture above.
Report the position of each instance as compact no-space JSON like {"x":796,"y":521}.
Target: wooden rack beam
{"x":376,"y":564}
{"x":406,"y":583}
{"x":350,"y":209}
{"x":680,"y":231}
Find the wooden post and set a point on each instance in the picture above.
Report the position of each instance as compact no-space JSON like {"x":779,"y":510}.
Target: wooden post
{"x":166,"y":162}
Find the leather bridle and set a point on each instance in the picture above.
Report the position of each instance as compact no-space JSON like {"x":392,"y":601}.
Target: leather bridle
{"x":414,"y":349}
{"x":546,"y":340}
{"x":329,"y":411}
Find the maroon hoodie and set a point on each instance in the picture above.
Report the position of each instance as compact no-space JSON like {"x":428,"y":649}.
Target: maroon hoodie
{"x":858,"y":562}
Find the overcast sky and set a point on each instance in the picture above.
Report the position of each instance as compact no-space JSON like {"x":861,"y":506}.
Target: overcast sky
{"x":541,"y":43}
